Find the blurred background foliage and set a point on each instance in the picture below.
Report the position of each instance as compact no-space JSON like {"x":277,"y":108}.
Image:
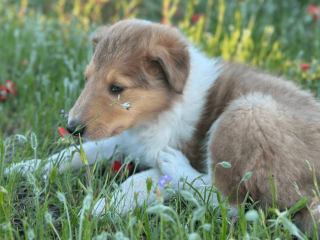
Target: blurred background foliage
{"x":45,"y":44}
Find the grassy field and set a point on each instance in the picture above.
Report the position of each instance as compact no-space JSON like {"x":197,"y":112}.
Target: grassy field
{"x":44,"y":49}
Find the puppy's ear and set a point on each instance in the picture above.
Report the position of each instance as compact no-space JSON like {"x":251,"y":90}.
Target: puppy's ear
{"x":98,"y":36}
{"x":171,"y":52}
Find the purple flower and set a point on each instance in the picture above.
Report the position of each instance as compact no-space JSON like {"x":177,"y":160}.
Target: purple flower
{"x":165,"y":181}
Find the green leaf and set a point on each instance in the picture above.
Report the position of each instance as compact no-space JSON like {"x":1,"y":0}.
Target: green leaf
{"x":149,"y":184}
{"x":2,"y":189}
{"x":246,"y":176}
{"x":307,"y":162}
{"x":225,"y":164}
{"x":78,"y":128}
{"x":82,"y":154}
{"x":157,"y":209}
{"x":167,"y":218}
{"x":199,"y":213}
{"x":66,"y":140}
{"x":194,"y":236}
{"x":189,"y":197}
{"x":252,"y":215}
{"x":7,"y":143}
{"x":291,"y":227}
{"x":53,"y":174}
{"x":207,"y":227}
{"x":132,"y":221}
{"x":82,"y":186}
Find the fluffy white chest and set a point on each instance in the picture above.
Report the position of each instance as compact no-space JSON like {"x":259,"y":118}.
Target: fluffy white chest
{"x":176,"y":126}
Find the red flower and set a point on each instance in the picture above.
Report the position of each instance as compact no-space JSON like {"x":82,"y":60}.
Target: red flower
{"x":11,"y":87}
{"x":63,"y":132}
{"x":305,"y":66}
{"x":117,"y":165}
{"x":3,"y":93}
{"x":314,"y":11}
{"x":195,"y":17}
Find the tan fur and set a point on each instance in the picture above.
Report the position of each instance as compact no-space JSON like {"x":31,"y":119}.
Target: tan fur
{"x":151,"y":63}
{"x":267,"y":125}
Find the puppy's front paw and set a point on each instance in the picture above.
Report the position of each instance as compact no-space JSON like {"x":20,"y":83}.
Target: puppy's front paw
{"x":173,"y":163}
{"x":25,"y":167}
{"x":99,"y":207}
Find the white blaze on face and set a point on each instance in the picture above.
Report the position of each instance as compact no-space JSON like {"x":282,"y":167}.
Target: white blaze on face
{"x":71,"y":118}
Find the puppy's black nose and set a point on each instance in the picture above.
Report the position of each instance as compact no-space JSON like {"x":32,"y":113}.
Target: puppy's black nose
{"x":72,"y":126}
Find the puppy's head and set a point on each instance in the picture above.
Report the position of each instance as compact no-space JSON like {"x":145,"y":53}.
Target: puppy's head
{"x":146,"y":64}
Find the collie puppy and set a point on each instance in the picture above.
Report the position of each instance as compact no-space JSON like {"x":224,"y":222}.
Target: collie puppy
{"x":189,"y":113}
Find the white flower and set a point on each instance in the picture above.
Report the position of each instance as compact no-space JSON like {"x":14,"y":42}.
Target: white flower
{"x":126,"y":105}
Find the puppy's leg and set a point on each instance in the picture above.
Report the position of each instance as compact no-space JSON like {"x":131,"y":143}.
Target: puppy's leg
{"x":173,"y":163}
{"x":93,"y":151}
{"x":132,"y":193}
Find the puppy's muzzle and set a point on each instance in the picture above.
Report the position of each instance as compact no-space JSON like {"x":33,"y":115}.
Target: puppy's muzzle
{"x":72,"y":126}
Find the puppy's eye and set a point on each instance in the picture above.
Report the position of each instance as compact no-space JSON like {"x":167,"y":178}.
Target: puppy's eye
{"x":115,"y":89}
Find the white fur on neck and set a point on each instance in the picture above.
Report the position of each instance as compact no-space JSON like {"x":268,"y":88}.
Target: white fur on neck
{"x":177,"y":125}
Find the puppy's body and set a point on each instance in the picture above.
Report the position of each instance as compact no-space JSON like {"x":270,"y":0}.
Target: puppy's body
{"x":189,"y":113}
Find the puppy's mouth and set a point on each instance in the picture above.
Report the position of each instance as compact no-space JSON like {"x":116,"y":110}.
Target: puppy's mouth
{"x":101,"y":133}
{"x":96,"y":135}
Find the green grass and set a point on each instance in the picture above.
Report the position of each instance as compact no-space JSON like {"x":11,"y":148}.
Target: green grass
{"x":45,"y":51}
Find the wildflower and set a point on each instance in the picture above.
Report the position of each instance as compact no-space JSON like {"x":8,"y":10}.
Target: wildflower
{"x":3,"y":93}
{"x":11,"y":87}
{"x":126,"y":105}
{"x":195,"y":17}
{"x":305,"y":66}
{"x":164,"y":181}
{"x":63,"y":132}
{"x":117,"y":165}
{"x":5,"y":90}
{"x":314,"y":11}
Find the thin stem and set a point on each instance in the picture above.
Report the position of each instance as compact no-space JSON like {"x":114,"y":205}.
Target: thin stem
{"x":88,"y":175}
{"x":75,"y":145}
{"x":161,"y":227}
{"x":55,"y":230}
{"x":86,"y":167}
{"x":97,"y":116}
